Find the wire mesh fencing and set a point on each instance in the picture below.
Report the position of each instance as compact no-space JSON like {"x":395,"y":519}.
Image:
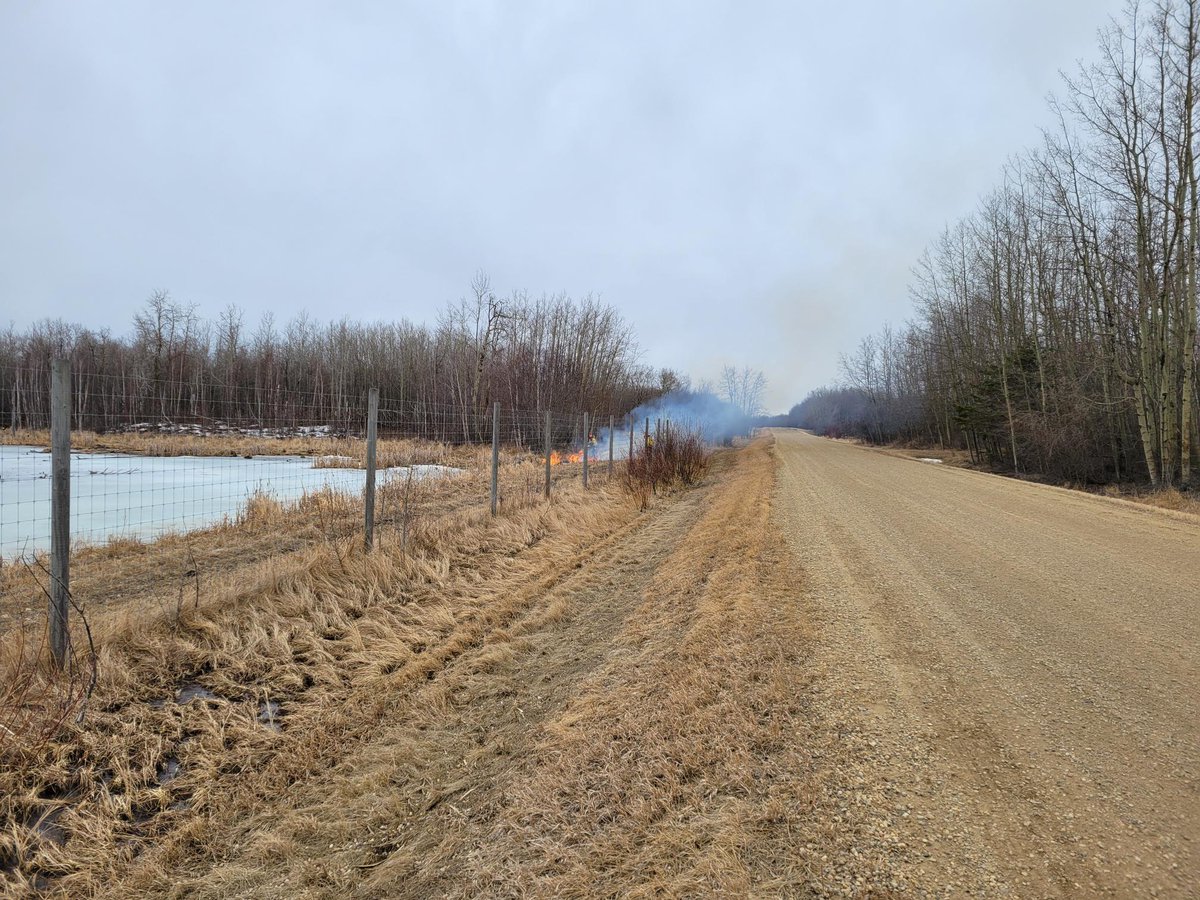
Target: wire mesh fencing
{"x":149,"y":458}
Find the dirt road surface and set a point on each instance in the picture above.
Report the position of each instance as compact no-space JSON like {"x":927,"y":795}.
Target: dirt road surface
{"x":825,"y":672}
{"x":1029,"y":659}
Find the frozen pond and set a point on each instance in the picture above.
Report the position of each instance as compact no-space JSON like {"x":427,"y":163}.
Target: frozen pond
{"x":118,"y":495}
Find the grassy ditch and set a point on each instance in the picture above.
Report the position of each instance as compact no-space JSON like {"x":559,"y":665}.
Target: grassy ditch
{"x":232,"y":661}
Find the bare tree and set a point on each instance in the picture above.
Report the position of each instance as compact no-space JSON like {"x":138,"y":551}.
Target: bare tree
{"x":745,"y":389}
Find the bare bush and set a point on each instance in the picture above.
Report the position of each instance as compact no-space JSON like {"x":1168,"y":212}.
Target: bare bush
{"x":678,"y":457}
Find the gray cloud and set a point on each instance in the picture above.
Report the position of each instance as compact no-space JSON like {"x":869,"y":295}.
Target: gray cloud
{"x":747,"y":182}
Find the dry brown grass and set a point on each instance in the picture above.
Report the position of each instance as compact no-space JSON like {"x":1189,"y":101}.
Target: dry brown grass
{"x":1163,"y":498}
{"x":959,"y":458}
{"x":281,"y":606}
{"x":676,"y":770}
{"x":631,"y":721}
{"x":574,"y":699}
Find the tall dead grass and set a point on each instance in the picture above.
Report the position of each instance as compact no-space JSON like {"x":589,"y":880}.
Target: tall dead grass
{"x":1163,"y":498}
{"x":237,"y":660}
{"x":1187,"y":501}
{"x":682,"y":767}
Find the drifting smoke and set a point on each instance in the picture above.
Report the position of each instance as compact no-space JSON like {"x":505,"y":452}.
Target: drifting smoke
{"x":717,"y":421}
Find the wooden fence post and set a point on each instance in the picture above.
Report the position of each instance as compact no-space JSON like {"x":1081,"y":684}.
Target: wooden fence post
{"x":60,"y":508}
{"x":610,"y":447}
{"x":495,"y":453}
{"x":587,"y":446}
{"x":372,"y":434}
{"x":547,"y":454}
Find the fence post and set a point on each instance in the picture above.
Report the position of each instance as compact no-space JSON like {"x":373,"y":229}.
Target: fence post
{"x":587,"y":446}
{"x":372,"y":433}
{"x":60,"y":508}
{"x":610,"y":447}
{"x":547,"y":454}
{"x":629,"y":424}
{"x":495,"y":452}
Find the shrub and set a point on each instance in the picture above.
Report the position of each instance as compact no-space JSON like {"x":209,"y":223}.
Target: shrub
{"x":678,"y":457}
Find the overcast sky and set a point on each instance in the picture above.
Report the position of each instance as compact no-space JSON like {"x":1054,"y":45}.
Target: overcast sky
{"x":749,"y":182}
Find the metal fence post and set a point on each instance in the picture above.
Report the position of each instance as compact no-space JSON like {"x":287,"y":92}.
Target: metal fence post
{"x":60,"y":508}
{"x":547,"y":454}
{"x":629,"y":422}
{"x":372,"y":434}
{"x":495,"y":453}
{"x":587,"y":446}
{"x":610,"y":447}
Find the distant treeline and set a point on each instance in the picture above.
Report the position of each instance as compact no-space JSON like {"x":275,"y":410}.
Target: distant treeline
{"x":529,"y":354}
{"x":1056,"y":327}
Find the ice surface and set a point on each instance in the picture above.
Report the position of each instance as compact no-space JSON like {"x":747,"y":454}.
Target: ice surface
{"x":120,"y":495}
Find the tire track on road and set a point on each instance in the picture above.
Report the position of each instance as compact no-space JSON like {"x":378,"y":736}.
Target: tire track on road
{"x":1033,"y":641}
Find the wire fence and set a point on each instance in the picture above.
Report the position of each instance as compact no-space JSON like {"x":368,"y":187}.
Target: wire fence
{"x":139,"y":475}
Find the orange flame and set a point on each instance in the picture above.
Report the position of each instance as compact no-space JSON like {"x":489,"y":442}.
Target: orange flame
{"x":556,"y":457}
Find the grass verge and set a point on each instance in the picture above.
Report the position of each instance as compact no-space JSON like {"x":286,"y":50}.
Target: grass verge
{"x":237,"y":660}
{"x":1163,"y":498}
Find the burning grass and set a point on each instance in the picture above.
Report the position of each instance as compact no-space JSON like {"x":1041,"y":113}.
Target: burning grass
{"x":557,"y":458}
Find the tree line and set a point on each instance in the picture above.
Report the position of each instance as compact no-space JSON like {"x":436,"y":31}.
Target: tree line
{"x":531,"y":354}
{"x":1055,"y":328}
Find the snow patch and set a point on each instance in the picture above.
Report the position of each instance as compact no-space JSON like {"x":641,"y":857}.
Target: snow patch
{"x":119,"y":495}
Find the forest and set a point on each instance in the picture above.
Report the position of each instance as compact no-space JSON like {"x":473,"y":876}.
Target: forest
{"x":529,"y":354}
{"x":1054,"y":331}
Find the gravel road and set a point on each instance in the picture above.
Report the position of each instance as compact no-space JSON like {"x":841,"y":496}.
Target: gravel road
{"x":1024,"y":659}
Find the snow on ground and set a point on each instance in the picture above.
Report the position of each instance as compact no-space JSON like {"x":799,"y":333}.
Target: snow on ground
{"x":122,"y":495}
